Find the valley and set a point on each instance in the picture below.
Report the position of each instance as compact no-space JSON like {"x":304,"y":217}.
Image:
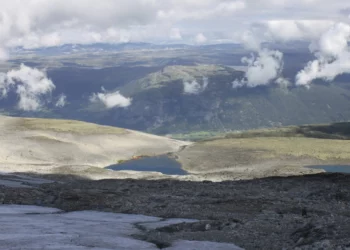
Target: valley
{"x":153,"y":79}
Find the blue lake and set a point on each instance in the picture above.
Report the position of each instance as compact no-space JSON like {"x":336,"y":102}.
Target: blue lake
{"x":162,"y":164}
{"x":334,"y":169}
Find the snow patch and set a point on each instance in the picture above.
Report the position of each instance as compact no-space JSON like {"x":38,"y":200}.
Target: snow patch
{"x":31,"y":227}
{"x":19,"y":209}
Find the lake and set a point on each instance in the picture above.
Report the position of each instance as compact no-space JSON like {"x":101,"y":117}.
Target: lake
{"x":334,"y":168}
{"x":162,"y":164}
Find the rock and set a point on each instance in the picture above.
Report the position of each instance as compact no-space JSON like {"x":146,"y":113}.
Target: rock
{"x":232,"y":211}
{"x":2,"y":198}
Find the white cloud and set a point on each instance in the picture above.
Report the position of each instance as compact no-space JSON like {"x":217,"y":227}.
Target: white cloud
{"x":194,"y":87}
{"x":198,"y":10}
{"x":251,"y":41}
{"x":34,"y":23}
{"x":61,"y":102}
{"x":111,"y":100}
{"x":283,"y":82}
{"x":175,"y":34}
{"x":238,"y":83}
{"x":37,"y":23}
{"x":333,"y":42}
{"x":3,"y":54}
{"x":287,"y":30}
{"x":30,"y":84}
{"x":200,"y":38}
{"x":264,"y":66}
{"x":43,"y":21}
{"x":262,"y":70}
{"x":332,"y":56}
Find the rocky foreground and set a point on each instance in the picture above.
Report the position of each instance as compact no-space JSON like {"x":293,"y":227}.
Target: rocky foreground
{"x":305,"y":212}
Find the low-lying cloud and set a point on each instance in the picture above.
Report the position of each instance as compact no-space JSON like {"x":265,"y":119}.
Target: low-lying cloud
{"x":194,"y":87}
{"x":111,"y":99}
{"x":332,"y":56}
{"x":264,"y":66}
{"x":200,"y":38}
{"x":62,"y":101}
{"x":31,"y":85}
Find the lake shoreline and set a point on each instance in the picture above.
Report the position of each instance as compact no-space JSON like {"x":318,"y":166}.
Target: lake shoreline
{"x":163,"y":164}
{"x":333,"y":168}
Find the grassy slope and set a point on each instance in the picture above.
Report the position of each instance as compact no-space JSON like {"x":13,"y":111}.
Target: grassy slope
{"x":178,"y":74}
{"x":66,"y":126}
{"x":261,"y":153}
{"x":323,"y":131}
{"x":57,"y":146}
{"x":327,"y":131}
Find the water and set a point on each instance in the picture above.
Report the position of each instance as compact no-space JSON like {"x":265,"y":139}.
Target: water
{"x":334,"y":169}
{"x":162,"y":164}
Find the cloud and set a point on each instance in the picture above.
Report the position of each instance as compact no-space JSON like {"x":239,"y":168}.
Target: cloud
{"x":40,"y":23}
{"x":46,"y":23}
{"x":194,"y":87}
{"x":61,"y":102}
{"x":251,"y":41}
{"x":332,"y":56}
{"x":200,"y":38}
{"x":264,"y":69}
{"x":111,"y":100}
{"x":289,"y":30}
{"x":238,"y":83}
{"x":198,"y":10}
{"x":31,"y":86}
{"x":175,"y":34}
{"x":35,"y":23}
{"x":283,"y":82}
{"x":3,"y":54}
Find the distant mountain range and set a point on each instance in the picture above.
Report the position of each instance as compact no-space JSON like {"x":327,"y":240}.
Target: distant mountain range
{"x":161,"y":106}
{"x":105,"y":47}
{"x":109,"y":47}
{"x":161,"y":103}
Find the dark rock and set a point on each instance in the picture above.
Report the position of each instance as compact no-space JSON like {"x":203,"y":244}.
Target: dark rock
{"x":314,"y":212}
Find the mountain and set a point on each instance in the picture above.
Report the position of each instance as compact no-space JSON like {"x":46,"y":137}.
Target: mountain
{"x":160,"y":105}
{"x":186,"y":89}
{"x":95,"y":48}
{"x":138,"y":46}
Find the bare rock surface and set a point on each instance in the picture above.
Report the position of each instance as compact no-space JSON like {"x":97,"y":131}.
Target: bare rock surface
{"x":303,"y":212}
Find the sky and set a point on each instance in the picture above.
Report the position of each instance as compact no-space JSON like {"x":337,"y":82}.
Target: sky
{"x":37,"y":23}
{"x":325,"y":25}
